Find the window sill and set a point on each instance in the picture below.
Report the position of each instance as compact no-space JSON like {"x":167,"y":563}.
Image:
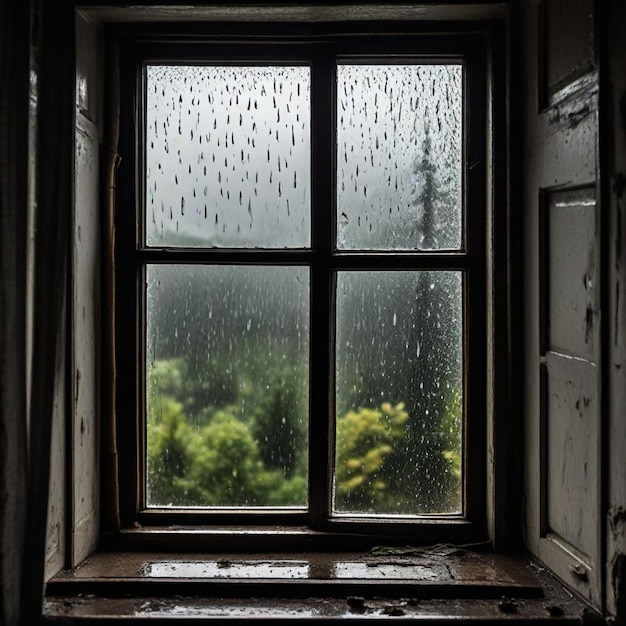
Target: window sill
{"x":338,"y":535}
{"x":440,"y":584}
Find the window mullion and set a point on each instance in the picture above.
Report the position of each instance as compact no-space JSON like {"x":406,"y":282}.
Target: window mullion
{"x":322,"y":350}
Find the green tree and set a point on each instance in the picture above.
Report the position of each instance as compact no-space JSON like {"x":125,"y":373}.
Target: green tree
{"x":216,"y":460}
{"x":451,"y":436}
{"x":225,"y":459}
{"x":279,"y":424}
{"x":365,"y":438}
{"x":226,"y":468}
{"x":437,"y":369}
{"x":168,"y":459}
{"x":200,"y":393}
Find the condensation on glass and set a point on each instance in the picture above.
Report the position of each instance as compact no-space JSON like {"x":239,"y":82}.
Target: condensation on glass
{"x":399,"y":392}
{"x":399,"y":157}
{"x":227,"y":156}
{"x":227,"y":385}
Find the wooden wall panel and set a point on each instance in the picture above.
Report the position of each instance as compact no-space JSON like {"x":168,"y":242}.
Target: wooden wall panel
{"x":571,"y":280}
{"x":567,"y":47}
{"x":562,"y":268}
{"x":572,"y":457}
{"x":56,"y":535}
{"x":570,"y":45}
{"x":86,"y":300}
{"x":85,"y":324}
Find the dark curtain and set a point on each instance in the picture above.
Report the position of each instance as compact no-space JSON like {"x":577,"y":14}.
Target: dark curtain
{"x":54,"y":43}
{"x":44,"y":31}
{"x":14,"y":98}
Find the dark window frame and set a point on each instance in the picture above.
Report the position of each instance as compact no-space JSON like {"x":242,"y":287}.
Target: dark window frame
{"x":279,"y":43}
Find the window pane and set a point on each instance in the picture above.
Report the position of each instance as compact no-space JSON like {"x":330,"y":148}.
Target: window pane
{"x":227,"y":156}
{"x":399,"y":392}
{"x":227,"y":385}
{"x":399,"y":140}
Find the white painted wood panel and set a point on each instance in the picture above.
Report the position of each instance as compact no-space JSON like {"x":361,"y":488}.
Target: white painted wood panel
{"x":56,"y":544}
{"x":572,"y":453}
{"x":562,"y":411}
{"x":86,"y":332}
{"x":86,"y":296}
{"x":571,"y":273}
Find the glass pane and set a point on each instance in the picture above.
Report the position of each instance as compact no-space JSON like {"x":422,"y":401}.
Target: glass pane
{"x":227,"y":156}
{"x":227,"y":385}
{"x":399,"y":140}
{"x":399,"y":392}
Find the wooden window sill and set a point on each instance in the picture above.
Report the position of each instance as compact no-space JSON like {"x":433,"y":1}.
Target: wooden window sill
{"x":287,"y":538}
{"x":438,"y":584}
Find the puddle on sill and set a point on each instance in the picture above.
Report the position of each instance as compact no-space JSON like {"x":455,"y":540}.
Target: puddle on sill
{"x":299,"y":570}
{"x":152,"y":607}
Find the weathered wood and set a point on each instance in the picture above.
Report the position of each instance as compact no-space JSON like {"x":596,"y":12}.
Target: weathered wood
{"x":568,"y":47}
{"x":436,"y":571}
{"x":86,"y":294}
{"x":300,"y":13}
{"x":571,"y":278}
{"x":563,"y":406}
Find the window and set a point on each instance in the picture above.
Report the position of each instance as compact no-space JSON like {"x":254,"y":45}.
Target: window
{"x":301,"y":280}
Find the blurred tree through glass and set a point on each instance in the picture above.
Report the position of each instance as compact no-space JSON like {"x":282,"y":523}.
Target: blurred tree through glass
{"x":385,"y":113}
{"x":399,"y":338}
{"x":227,"y":395}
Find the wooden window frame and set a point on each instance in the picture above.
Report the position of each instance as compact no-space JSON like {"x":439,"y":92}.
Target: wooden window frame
{"x":323,"y":43}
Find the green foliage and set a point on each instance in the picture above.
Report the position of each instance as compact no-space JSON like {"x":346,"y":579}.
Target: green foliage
{"x":364,"y":439}
{"x":222,"y":457}
{"x":451,"y":428}
{"x":279,"y":424}
{"x":225,"y":467}
{"x":220,"y":460}
{"x":200,"y":395}
{"x":287,"y":491}
{"x":166,"y":379}
{"x":168,"y":458}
